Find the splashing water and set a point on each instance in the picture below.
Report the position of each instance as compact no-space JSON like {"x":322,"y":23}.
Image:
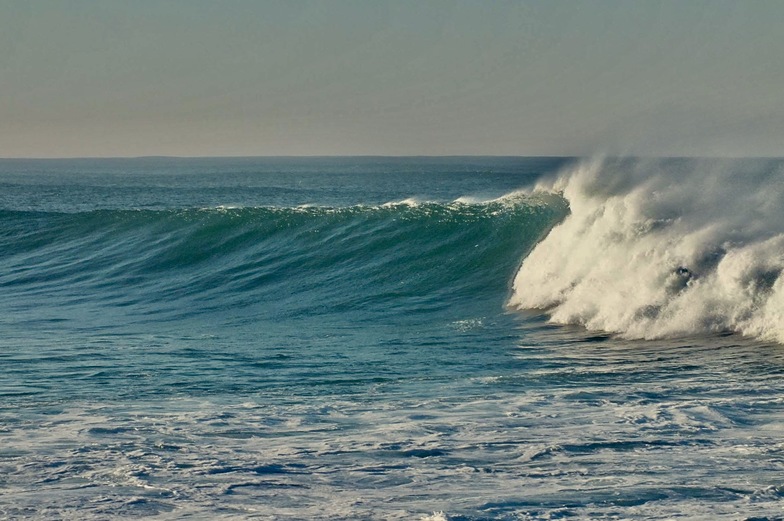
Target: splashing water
{"x":663,"y":248}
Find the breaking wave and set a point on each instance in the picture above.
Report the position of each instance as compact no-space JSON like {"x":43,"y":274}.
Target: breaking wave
{"x":663,"y":248}
{"x":400,"y":257}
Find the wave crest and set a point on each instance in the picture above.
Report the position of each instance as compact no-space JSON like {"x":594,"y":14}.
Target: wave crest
{"x":664,"y":248}
{"x":273,"y":261}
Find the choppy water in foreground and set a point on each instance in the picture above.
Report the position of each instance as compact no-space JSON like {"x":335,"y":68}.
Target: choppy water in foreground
{"x":339,"y":338}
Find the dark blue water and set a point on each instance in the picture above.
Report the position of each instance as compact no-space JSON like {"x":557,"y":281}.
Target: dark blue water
{"x":329,"y":338}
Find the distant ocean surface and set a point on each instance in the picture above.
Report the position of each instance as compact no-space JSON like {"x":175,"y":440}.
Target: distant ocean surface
{"x":392,"y":338}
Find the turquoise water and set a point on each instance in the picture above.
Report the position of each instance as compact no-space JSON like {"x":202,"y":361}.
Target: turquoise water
{"x":340,"y":338}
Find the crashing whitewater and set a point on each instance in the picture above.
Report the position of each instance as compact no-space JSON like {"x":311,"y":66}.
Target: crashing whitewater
{"x":663,"y":248}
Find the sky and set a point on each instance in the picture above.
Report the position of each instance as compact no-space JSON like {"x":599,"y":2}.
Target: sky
{"x":105,"y":78}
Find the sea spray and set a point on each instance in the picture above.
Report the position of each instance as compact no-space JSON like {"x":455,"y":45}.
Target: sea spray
{"x":663,"y":248}
{"x":197,"y":338}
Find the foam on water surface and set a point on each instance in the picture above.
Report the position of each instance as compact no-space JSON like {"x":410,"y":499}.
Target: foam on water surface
{"x":310,"y":352}
{"x":664,"y":248}
{"x":636,"y":431}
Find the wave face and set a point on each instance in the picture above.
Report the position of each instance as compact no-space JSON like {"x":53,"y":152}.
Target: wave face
{"x":327,"y":338}
{"x":281,"y":262}
{"x":664,"y":248}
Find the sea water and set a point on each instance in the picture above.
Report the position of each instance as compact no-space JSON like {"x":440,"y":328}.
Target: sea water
{"x":391,"y":338}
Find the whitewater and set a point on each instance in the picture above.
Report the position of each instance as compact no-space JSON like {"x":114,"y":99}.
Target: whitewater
{"x":422,"y":338}
{"x":663,"y":249}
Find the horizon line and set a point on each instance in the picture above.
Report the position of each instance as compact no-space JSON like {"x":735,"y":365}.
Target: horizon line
{"x":387,"y":156}
{"x":288,"y":156}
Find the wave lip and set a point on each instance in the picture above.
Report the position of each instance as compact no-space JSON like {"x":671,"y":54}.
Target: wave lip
{"x":664,"y":248}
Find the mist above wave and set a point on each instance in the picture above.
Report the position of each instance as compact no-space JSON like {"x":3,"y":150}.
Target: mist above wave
{"x":662,"y":248}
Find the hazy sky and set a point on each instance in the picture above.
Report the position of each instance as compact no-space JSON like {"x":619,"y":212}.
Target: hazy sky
{"x":341,"y":77}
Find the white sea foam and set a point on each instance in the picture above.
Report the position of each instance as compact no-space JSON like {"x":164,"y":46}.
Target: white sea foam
{"x":411,"y":201}
{"x":644,"y":441}
{"x":664,"y":248}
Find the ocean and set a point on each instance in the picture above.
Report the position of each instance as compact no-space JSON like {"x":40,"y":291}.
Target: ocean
{"x":457,"y":338}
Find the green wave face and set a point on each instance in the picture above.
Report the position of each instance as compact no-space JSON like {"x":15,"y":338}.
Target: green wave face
{"x":278,"y":261}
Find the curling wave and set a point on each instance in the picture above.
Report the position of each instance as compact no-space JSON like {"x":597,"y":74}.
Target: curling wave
{"x":397,"y":257}
{"x":663,"y":248}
